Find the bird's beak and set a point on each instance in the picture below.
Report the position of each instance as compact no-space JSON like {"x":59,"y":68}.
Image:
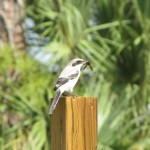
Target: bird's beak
{"x":87,"y":63}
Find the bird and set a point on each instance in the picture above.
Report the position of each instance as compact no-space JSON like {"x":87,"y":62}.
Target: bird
{"x":68,"y":79}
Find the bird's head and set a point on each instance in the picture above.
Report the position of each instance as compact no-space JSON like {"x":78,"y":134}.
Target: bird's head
{"x":80,"y":63}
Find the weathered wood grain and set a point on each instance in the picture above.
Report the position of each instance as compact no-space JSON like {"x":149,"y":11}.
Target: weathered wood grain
{"x":74,"y":124}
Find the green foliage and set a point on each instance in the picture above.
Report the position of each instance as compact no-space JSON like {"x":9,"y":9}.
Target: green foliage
{"x":24,"y":99}
{"x":114,"y":36}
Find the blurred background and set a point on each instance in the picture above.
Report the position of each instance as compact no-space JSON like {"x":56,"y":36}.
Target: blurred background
{"x":39,"y":37}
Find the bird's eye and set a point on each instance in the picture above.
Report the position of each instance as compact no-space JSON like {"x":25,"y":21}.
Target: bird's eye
{"x":77,"y":63}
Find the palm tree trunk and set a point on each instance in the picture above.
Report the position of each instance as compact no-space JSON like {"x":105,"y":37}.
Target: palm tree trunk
{"x":11,"y":23}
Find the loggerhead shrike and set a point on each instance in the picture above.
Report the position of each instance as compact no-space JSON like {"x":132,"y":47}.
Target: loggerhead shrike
{"x":67,"y":79}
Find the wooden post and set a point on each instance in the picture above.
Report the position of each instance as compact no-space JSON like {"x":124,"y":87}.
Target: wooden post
{"x":74,"y":124}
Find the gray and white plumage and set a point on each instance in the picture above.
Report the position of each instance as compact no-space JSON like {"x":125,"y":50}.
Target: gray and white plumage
{"x":67,"y":79}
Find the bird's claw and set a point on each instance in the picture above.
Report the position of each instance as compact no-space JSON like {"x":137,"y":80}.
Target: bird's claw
{"x":69,"y":94}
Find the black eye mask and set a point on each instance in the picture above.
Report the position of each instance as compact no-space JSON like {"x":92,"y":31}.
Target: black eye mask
{"x":77,"y":63}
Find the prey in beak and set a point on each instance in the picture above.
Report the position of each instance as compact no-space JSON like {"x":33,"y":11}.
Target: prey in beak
{"x":87,"y":63}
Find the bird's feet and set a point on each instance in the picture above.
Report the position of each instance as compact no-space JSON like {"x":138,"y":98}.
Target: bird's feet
{"x":69,"y":94}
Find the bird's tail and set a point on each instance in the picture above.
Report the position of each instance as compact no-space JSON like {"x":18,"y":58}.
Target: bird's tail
{"x":54,"y":103}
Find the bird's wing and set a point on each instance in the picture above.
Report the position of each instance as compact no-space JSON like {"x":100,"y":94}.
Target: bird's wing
{"x":62,"y":80}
